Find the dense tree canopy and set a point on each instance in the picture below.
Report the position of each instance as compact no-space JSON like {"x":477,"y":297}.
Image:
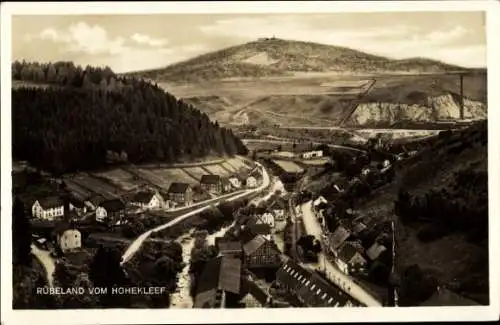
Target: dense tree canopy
{"x":90,"y":117}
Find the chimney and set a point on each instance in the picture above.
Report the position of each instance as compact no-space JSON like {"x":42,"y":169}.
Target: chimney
{"x":461,"y":96}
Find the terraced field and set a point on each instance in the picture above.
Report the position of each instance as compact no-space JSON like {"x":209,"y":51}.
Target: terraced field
{"x":196,"y":172}
{"x":96,"y":185}
{"x":121,"y":178}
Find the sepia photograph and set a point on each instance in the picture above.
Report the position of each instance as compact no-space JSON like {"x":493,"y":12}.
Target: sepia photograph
{"x":188,"y":158}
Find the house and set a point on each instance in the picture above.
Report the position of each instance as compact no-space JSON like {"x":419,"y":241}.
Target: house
{"x":148,"y":200}
{"x":319,"y":201}
{"x":445,"y":297}
{"x":69,"y":239}
{"x":341,"y":185}
{"x":77,"y":205}
{"x":226,"y":185}
{"x":252,"y":295}
{"x":235,"y":181}
{"x":375,"y":250}
{"x":48,"y":208}
{"x":251,"y":181}
{"x":211,"y":184}
{"x":230,"y":249}
{"x":358,"y":228}
{"x":221,"y":275}
{"x":253,"y":228}
{"x":264,"y":215}
{"x":349,"y":258}
{"x":180,"y":193}
{"x":312,"y":154}
{"x":94,"y":201}
{"x":337,"y":238}
{"x":311,"y":289}
{"x":111,"y":212}
{"x":261,"y":253}
{"x":278,"y":207}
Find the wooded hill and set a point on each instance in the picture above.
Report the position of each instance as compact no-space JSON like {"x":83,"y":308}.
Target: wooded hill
{"x":66,"y":118}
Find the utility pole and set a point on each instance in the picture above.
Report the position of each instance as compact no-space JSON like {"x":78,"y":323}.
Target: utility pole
{"x":461,"y":96}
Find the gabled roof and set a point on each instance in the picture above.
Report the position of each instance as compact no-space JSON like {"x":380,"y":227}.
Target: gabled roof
{"x":338,"y":237}
{"x":312,"y":289}
{"x":221,"y":273}
{"x":229,"y":246}
{"x":347,"y":252}
{"x":278,"y":204}
{"x":260,"y":228}
{"x":375,"y":250}
{"x":251,"y":288}
{"x":358,"y":227}
{"x":96,"y":199}
{"x":51,"y":202}
{"x":112,"y":205}
{"x":253,"y":245}
{"x":210,"y":179}
{"x":143,"y":196}
{"x":178,"y":188}
{"x":445,"y":297}
{"x":76,"y":202}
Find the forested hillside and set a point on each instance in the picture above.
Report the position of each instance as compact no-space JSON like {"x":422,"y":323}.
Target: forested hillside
{"x":66,"y":118}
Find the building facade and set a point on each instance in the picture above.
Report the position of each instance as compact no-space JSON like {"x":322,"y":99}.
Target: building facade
{"x":69,"y":239}
{"x":180,"y":194}
{"x":211,"y":184}
{"x":49,"y":208}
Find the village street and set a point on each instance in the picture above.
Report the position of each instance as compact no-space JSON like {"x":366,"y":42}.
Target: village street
{"x":47,"y":261}
{"x":313,"y":227}
{"x":137,"y":243}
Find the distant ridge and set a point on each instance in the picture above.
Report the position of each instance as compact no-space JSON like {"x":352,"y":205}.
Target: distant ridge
{"x":278,"y":57}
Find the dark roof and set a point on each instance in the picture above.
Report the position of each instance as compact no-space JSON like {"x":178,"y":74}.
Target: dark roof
{"x":358,"y":227}
{"x":51,"y":202}
{"x":347,"y":252}
{"x":143,"y":196}
{"x":253,"y":245}
{"x":222,"y":273}
{"x":112,"y":205}
{"x":260,"y":228}
{"x":312,"y":288}
{"x":225,"y":181}
{"x":445,"y":297}
{"x":338,"y":237}
{"x":229,"y":246}
{"x":76,"y":201}
{"x":250,"y":287}
{"x":210,"y":179}
{"x":178,"y":188}
{"x":278,"y":203}
{"x":375,"y":250}
{"x":97,"y":199}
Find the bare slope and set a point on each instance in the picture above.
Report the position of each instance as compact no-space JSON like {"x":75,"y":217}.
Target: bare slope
{"x":278,"y":57}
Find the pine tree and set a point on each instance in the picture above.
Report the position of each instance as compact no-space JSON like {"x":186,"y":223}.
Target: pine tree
{"x":21,"y":234}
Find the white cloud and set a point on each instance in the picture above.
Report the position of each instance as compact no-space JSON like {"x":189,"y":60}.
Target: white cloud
{"x":400,"y":41}
{"x":148,"y":40}
{"x":93,"y":45}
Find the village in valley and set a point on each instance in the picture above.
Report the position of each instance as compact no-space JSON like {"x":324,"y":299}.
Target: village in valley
{"x":246,"y":184}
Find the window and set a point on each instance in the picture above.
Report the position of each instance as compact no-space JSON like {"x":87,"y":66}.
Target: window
{"x":313,"y":286}
{"x":307,"y":283}
{"x":318,"y":292}
{"x":324,"y":296}
{"x":330,"y":300}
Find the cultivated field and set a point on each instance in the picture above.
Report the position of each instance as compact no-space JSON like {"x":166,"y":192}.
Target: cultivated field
{"x":96,"y":185}
{"x":315,"y":162}
{"x":288,"y":166}
{"x":217,"y":170}
{"x":229,"y":167}
{"x":121,"y":178}
{"x":196,"y":172}
{"x":167,"y":176}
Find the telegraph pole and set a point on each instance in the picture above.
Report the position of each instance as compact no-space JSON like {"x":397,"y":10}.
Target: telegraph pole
{"x":461,"y":96}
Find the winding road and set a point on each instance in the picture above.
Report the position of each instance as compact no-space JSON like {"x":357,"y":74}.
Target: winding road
{"x":47,"y":262}
{"x":333,"y":273}
{"x":137,"y":243}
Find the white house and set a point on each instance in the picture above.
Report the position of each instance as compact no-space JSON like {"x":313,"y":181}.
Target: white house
{"x":312,"y":154}
{"x":235,"y":181}
{"x":349,"y":259}
{"x":251,"y":182}
{"x":148,"y":200}
{"x":319,"y":200}
{"x":111,"y":211}
{"x":48,"y":208}
{"x":69,"y":239}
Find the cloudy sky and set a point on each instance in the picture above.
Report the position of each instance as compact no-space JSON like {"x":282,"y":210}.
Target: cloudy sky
{"x":137,"y":42}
